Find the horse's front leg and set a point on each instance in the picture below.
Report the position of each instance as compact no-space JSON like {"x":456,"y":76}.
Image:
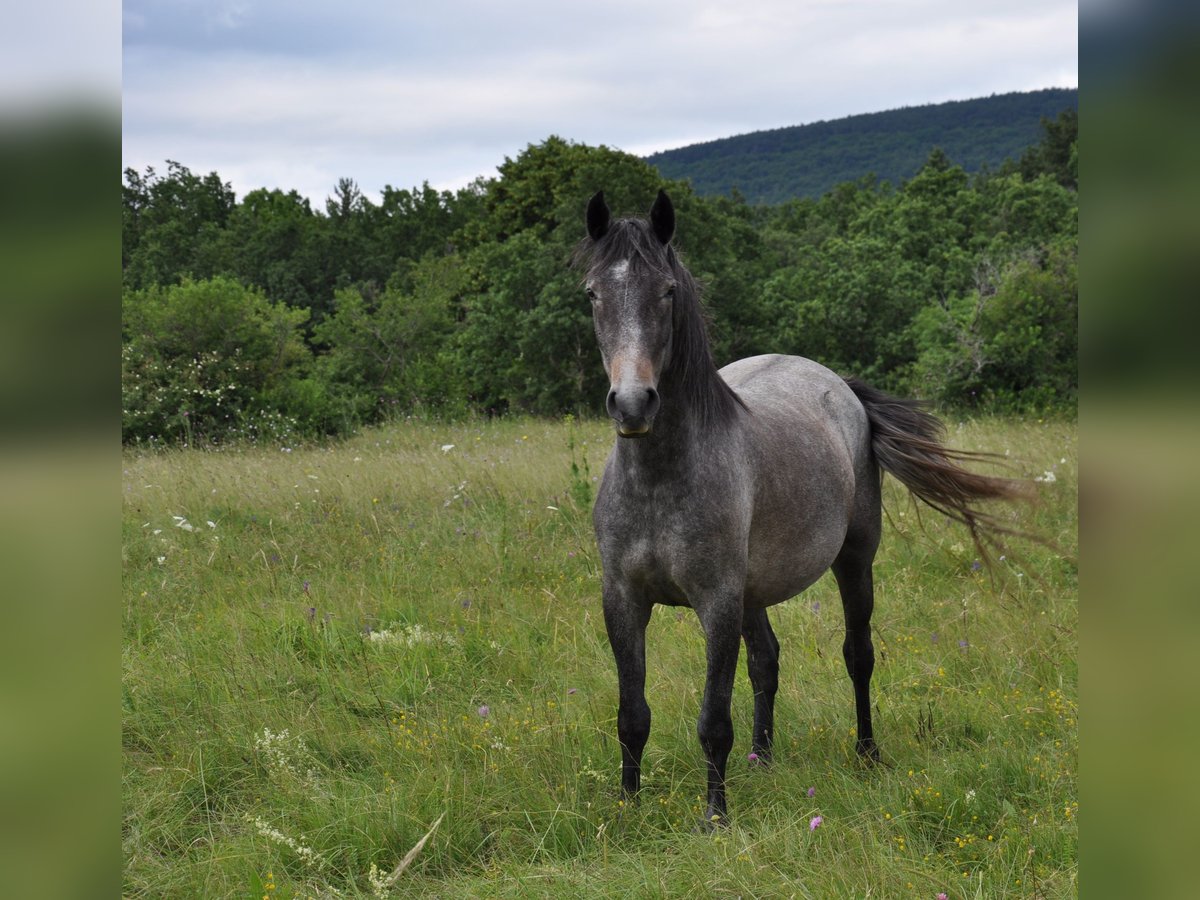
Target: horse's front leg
{"x":722,"y":622}
{"x":625,"y":617}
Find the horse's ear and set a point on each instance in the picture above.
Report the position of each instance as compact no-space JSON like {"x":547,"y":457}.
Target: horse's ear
{"x":597,"y":216}
{"x":662,"y":217}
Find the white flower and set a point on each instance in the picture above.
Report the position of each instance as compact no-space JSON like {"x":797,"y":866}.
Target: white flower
{"x":446,"y":448}
{"x":411,"y":635}
{"x":1046,"y":477}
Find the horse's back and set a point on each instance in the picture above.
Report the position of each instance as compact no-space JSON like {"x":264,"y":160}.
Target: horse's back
{"x":816,"y":476}
{"x":792,"y":389}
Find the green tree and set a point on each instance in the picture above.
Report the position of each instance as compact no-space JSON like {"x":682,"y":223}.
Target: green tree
{"x":205,"y":359}
{"x":1010,"y":343}
{"x":171,"y":226}
{"x":386,"y":348}
{"x":276,"y":242}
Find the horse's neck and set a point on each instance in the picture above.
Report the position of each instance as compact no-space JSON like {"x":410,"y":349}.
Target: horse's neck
{"x":670,"y":449}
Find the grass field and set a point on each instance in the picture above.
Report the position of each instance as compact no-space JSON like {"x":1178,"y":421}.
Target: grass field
{"x":328,"y":648}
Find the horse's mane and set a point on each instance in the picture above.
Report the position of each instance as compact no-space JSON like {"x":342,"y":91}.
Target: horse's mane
{"x":691,"y":368}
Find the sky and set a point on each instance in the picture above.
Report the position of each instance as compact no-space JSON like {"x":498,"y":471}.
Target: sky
{"x":298,"y":94}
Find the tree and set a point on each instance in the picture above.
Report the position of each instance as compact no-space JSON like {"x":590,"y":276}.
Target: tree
{"x":204,"y":359}
{"x":171,"y":226}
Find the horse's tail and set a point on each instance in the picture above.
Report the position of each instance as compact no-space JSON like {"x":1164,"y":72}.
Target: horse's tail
{"x":907,"y":442}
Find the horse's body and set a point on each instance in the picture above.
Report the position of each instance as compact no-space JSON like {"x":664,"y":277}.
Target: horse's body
{"x":732,"y":491}
{"x":734,"y":500}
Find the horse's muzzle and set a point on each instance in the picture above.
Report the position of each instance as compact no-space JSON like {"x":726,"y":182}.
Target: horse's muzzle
{"x":633,"y":410}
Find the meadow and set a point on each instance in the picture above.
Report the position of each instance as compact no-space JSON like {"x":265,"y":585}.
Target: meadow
{"x":329,"y":648}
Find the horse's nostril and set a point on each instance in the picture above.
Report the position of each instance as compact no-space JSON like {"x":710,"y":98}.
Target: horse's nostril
{"x":652,"y":402}
{"x":611,"y":403}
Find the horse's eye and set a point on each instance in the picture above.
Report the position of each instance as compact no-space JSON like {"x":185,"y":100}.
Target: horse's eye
{"x":670,"y":293}
{"x":591,"y":295}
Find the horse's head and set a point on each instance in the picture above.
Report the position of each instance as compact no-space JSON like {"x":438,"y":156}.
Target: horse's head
{"x":632,"y":290}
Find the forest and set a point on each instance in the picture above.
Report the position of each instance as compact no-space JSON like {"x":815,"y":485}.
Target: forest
{"x":809,"y":160}
{"x":264,"y":319}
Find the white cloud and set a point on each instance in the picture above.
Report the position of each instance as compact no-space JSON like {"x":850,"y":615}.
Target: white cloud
{"x":400,"y":94}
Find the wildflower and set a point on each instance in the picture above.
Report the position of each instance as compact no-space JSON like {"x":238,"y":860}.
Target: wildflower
{"x":816,"y":606}
{"x":304,"y":587}
{"x":976,"y":566}
{"x":311,"y":613}
{"x":446,"y":448}
{"x":483,"y":711}
{"x":815,"y":823}
{"x":812,"y":792}
{"x":963,"y":644}
{"x":942,"y":896}
{"x":753,"y":757}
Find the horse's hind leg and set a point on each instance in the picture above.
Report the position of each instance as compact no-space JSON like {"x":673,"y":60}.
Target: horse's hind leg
{"x":852,"y":569}
{"x":762,"y":663}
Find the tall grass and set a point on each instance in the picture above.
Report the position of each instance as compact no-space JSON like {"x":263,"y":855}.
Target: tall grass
{"x":327,"y":648}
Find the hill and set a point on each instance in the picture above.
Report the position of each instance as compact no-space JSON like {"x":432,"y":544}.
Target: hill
{"x":807,"y":160}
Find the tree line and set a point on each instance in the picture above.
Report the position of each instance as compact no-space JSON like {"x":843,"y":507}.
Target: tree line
{"x":266,"y":319}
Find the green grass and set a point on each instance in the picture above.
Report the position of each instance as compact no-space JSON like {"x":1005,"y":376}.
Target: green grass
{"x":479,"y":563}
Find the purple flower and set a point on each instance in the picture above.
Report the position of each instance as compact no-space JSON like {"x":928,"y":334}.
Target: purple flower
{"x":816,"y":606}
{"x":933,"y":638}
{"x":942,"y":896}
{"x":753,"y":757}
{"x":812,"y":792}
{"x":304,"y":587}
{"x":483,"y":711}
{"x":963,"y":644}
{"x":976,"y":566}
{"x":815,"y":823}
{"x":311,"y":613}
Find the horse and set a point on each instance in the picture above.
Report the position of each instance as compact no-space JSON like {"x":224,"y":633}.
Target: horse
{"x":732,"y":490}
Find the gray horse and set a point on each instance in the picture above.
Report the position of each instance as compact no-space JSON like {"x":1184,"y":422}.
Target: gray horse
{"x":730,"y":491}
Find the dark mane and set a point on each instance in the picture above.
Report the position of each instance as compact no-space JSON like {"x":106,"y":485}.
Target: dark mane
{"x":692,"y":368}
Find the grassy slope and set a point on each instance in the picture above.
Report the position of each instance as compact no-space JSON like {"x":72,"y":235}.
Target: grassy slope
{"x":258,"y":623}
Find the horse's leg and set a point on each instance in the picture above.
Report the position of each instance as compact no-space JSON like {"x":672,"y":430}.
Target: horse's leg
{"x":762,"y":663}
{"x":852,"y":569}
{"x":722,"y":622}
{"x":625,"y":618}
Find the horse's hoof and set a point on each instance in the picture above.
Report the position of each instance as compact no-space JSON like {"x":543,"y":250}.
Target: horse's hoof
{"x":868,"y":754}
{"x":868,"y":750}
{"x":712,"y":823}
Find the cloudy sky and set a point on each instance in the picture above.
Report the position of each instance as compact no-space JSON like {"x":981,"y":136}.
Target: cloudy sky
{"x":297,"y":94}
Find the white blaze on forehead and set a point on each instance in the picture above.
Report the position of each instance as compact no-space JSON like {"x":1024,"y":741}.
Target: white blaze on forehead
{"x":619,"y":270}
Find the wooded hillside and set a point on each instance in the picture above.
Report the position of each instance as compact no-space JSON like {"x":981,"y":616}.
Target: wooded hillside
{"x":808,"y":160}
